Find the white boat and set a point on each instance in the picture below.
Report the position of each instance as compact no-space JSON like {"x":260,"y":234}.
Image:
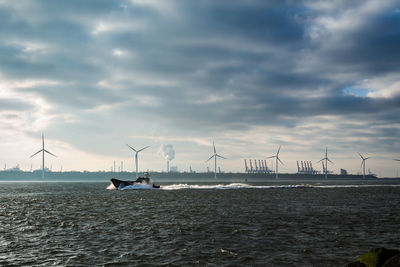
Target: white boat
{"x":139,"y":183}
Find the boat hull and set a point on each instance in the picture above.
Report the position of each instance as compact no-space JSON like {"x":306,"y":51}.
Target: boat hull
{"x":126,"y":185}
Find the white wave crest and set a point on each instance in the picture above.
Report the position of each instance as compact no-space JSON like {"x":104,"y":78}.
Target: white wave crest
{"x":227,"y":186}
{"x":245,"y":186}
{"x":111,"y":187}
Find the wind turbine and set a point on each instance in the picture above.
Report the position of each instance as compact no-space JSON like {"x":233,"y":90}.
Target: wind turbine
{"x":136,"y":157}
{"x":277,"y":159}
{"x":43,"y":150}
{"x":215,"y":155}
{"x":326,"y":163}
{"x":363,"y":163}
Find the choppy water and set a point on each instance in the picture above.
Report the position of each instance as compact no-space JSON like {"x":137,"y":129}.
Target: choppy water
{"x":83,"y":224}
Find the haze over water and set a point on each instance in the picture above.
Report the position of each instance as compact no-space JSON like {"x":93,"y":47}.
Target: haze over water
{"x":84,"y":224}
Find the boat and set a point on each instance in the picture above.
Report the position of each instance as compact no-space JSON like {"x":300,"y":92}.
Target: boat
{"x":139,"y":183}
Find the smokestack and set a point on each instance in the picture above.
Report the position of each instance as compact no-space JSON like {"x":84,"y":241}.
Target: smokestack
{"x":251,"y":166}
{"x":298,"y":167}
{"x":167,"y":165}
{"x":122,"y":166}
{"x":114,"y":166}
{"x":255,"y":165}
{"x":245,"y":166}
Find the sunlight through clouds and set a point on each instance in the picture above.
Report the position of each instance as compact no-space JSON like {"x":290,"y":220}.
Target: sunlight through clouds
{"x":302,"y":74}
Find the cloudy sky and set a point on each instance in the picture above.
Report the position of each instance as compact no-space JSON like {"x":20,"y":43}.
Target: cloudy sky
{"x":251,"y":75}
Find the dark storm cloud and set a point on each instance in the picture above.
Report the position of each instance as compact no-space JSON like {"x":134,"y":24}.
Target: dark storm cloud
{"x":203,"y":65}
{"x":274,"y":22}
{"x":374,"y":47}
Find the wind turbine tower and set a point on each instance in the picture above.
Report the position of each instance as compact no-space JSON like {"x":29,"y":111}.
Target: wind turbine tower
{"x":326,"y":163}
{"x":363,"y":163}
{"x":276,"y":159}
{"x":136,"y":157}
{"x":215,"y":155}
{"x":43,"y":150}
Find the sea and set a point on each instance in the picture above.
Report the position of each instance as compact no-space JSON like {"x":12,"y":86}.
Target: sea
{"x":197,"y":224}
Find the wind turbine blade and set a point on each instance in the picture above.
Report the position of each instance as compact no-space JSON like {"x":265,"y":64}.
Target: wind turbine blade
{"x":330,"y":161}
{"x":143,"y":148}
{"x":280,"y":161}
{"x":360,"y":155}
{"x":367,"y":158}
{"x":220,"y":156}
{"x":279,"y":149}
{"x":210,"y":157}
{"x":131,"y":148}
{"x":50,"y":153}
{"x":396,"y":159}
{"x":215,"y":152}
{"x":271,"y":157}
{"x":319,"y":160}
{"x":36,"y":153}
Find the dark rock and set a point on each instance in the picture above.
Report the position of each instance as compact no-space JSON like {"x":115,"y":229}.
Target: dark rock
{"x":393,"y":261}
{"x":355,"y":264}
{"x":377,"y":257}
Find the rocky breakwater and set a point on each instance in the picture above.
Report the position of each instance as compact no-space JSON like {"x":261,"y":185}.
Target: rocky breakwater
{"x":379,"y":257}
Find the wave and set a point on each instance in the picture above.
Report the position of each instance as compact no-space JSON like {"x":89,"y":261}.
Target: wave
{"x":225,"y":186}
{"x":248,"y":186}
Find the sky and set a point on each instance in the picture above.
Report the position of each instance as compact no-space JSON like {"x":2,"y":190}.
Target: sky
{"x":249,"y":75}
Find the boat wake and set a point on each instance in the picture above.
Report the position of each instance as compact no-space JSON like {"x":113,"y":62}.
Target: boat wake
{"x":246,"y":186}
{"x":226,"y":186}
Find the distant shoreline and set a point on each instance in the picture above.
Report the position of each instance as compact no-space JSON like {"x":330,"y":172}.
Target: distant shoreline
{"x":75,"y":176}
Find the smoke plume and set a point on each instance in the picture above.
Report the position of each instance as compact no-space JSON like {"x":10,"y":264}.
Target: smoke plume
{"x":167,"y":151}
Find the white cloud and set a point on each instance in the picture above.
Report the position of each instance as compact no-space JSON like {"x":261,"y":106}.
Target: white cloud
{"x":188,"y":73}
